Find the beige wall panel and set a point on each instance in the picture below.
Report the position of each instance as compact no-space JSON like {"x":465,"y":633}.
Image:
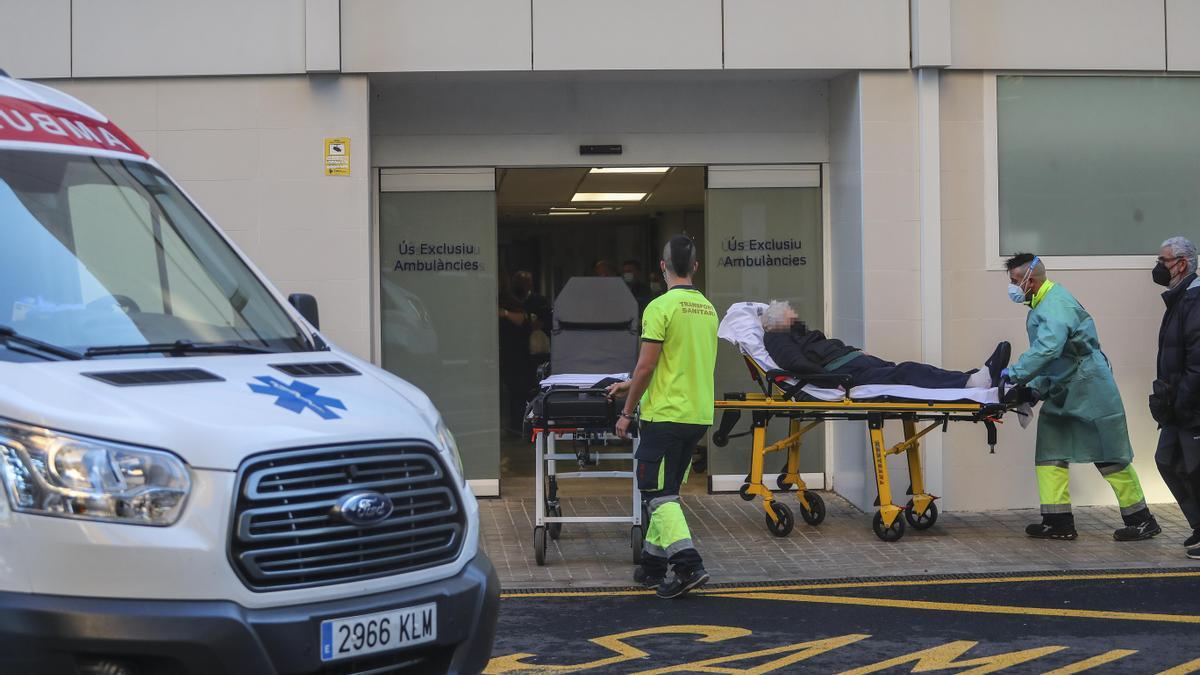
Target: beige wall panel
{"x":117,"y":38}
{"x":816,"y":34}
{"x":35,"y":38}
{"x":626,"y":34}
{"x":1183,"y":34}
{"x":515,"y":123}
{"x":1058,"y":34}
{"x":435,"y":35}
{"x":977,"y":314}
{"x":322,"y":35}
{"x":257,"y":169}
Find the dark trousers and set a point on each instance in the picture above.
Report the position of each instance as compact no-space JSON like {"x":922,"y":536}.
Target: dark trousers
{"x":1178,"y":460}
{"x":868,"y":369}
{"x":664,"y":459}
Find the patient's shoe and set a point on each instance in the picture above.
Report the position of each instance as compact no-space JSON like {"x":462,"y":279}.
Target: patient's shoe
{"x":998,"y":361}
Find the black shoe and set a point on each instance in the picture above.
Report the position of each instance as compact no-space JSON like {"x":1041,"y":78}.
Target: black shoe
{"x":1194,"y":553}
{"x":1192,"y":540}
{"x":1143,"y":530}
{"x":998,"y":361}
{"x":648,"y":579}
{"x":679,"y":586}
{"x":1046,"y":530}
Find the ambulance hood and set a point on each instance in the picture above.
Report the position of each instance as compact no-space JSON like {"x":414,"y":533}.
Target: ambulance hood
{"x":244,"y":405}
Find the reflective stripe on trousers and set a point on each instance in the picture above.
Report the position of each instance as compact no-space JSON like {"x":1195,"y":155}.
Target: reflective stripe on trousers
{"x":1054,"y":489}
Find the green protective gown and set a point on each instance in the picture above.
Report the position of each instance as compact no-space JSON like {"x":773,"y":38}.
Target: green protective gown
{"x":1082,"y":418}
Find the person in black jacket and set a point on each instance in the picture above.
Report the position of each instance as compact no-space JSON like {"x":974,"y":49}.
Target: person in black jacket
{"x":1175,"y":401}
{"x":798,"y":349}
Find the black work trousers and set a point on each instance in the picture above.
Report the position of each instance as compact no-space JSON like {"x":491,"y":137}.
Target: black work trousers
{"x":1178,"y":460}
{"x":664,"y":459}
{"x":868,"y":369}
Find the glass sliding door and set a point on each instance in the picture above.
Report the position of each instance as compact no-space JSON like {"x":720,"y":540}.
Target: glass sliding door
{"x":764,"y":242}
{"x":437,"y":297}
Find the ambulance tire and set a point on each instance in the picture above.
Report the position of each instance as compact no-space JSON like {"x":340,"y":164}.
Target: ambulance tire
{"x":637,"y":539}
{"x":539,"y":545}
{"x":925,"y":520}
{"x":888,"y":534}
{"x":815,"y":513}
{"x":783,"y":526}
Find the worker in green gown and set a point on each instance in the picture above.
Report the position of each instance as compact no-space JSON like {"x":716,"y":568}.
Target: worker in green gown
{"x":1082,"y":418}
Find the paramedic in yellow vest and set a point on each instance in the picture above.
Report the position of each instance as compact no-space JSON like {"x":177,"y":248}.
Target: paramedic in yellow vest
{"x":673,"y":381}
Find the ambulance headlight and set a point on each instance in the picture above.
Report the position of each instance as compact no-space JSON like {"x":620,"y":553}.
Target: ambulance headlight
{"x":68,"y":476}
{"x":450,"y":447}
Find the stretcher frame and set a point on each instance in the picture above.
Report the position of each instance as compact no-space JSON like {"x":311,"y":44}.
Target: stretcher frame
{"x":778,"y":399}
{"x":547,"y":518}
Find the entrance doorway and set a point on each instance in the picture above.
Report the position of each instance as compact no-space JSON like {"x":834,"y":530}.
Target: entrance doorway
{"x":554,"y":224}
{"x":452,"y":241}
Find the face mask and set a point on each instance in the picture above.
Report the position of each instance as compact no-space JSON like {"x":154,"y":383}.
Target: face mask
{"x":628,"y":277}
{"x":1014,"y":290}
{"x":1161,"y":275}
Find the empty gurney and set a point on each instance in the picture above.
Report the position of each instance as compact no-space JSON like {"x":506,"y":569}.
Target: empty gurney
{"x":808,"y":401}
{"x":593,"y":342}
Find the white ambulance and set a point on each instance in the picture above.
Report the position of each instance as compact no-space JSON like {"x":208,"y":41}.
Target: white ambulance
{"x":193,"y":479}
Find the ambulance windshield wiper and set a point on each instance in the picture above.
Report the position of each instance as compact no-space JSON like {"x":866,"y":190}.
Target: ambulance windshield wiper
{"x":176,"y":348}
{"x":9,"y":337}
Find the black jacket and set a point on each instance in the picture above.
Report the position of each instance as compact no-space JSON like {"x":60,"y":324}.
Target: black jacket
{"x":804,"y":351}
{"x":1176,"y":398}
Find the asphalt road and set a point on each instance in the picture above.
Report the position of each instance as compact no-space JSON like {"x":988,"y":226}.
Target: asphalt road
{"x":1097,"y":622}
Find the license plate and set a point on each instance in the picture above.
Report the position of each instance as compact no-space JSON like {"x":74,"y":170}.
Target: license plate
{"x":381,"y":631}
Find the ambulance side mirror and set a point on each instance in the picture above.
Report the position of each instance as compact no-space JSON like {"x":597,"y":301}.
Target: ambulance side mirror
{"x":306,"y":304}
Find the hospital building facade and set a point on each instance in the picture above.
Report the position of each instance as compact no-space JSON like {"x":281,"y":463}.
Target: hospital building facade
{"x":872,"y":161}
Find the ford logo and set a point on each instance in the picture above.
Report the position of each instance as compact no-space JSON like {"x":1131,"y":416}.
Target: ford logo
{"x":363,"y":509}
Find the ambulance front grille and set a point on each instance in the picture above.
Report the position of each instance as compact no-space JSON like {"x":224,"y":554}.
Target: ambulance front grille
{"x":285,"y":532}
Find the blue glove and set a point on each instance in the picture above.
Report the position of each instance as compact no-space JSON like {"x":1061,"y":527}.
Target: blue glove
{"x":1006,"y":375}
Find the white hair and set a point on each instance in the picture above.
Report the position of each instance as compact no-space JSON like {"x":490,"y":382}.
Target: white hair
{"x":1182,"y":248}
{"x":775,"y":315}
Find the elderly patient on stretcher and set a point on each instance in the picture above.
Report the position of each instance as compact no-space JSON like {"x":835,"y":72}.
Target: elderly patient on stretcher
{"x":803,"y":351}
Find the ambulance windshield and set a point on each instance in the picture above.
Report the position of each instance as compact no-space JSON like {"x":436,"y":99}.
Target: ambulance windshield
{"x":100,"y":253}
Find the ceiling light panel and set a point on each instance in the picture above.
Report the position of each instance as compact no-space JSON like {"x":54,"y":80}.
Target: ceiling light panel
{"x":608,"y":197}
{"x":631,"y":169}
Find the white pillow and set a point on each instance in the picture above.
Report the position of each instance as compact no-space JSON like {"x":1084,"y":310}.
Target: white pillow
{"x":742,"y":326}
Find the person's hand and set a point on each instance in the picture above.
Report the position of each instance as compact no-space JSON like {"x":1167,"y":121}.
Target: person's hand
{"x":614,"y":391}
{"x":623,"y":424}
{"x":1006,"y":375}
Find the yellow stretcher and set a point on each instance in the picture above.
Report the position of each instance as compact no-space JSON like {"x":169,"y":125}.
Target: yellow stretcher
{"x":782,"y":397}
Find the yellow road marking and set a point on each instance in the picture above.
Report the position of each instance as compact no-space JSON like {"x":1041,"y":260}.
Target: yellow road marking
{"x":965,"y":607}
{"x":1183,"y":668}
{"x":945,"y":657}
{"x":1088,"y":664}
{"x":895,"y":583}
{"x":622,"y":651}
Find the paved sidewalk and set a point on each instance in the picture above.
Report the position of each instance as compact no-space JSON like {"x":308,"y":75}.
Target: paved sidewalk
{"x":736,"y":546}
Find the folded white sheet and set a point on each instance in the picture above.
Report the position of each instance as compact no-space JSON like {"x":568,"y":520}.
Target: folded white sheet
{"x":742,"y":327}
{"x":579,"y":380}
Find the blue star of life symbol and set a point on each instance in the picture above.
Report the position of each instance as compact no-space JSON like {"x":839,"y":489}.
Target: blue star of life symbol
{"x":297,"y":397}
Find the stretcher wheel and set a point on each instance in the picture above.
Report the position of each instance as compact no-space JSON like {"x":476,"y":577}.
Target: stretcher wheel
{"x":783,"y":483}
{"x":923,"y":521}
{"x":554,"y":529}
{"x":815,"y":514}
{"x":637,"y":539}
{"x":783,"y":526}
{"x":744,"y":493}
{"x":539,"y":545}
{"x":892,"y":533}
